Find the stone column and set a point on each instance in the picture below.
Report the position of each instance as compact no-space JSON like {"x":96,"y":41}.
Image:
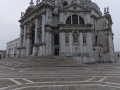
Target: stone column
{"x":71,"y":43}
{"x":36,"y":38}
{"x":43,"y":28}
{"x":47,"y":42}
{"x":20,"y":41}
{"x":24,"y":42}
{"x":51,"y":43}
{"x":43,"y":34}
{"x":36,"y":31}
{"x":111,"y":45}
{"x":60,"y":43}
{"x":81,"y":42}
{"x":28,"y":44}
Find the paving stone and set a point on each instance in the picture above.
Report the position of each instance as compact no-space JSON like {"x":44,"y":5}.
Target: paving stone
{"x":63,"y":78}
{"x":77,"y":88}
{"x":6,"y":83}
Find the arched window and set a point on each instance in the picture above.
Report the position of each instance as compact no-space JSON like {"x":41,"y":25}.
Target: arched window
{"x":65,"y":3}
{"x":75,"y":19}
{"x":68,"y":21}
{"x":81,"y":21}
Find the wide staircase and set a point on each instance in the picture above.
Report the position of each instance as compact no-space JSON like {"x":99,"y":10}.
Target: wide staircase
{"x":44,"y":61}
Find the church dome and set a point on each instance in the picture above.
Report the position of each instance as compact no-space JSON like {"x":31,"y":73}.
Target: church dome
{"x":91,"y":5}
{"x":88,"y":4}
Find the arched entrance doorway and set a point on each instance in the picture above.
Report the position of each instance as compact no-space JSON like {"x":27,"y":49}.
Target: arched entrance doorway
{"x":56,"y":44}
{"x":32,"y":38}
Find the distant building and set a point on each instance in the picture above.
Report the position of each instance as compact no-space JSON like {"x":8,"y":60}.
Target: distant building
{"x":2,"y":54}
{"x":12,"y":48}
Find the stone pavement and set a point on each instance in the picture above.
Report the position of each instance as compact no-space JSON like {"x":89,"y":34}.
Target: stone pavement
{"x":104,"y":76}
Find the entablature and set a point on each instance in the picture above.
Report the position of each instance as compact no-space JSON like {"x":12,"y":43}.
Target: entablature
{"x":75,"y":27}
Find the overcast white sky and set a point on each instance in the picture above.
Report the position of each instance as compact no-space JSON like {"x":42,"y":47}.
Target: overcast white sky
{"x":10,"y":11}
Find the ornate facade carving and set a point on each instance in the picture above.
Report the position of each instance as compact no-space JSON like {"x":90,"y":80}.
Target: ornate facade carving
{"x":67,"y":38}
{"x":75,"y":36}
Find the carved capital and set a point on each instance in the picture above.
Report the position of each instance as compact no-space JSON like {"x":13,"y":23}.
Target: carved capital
{"x":35,"y":45}
{"x":21,"y":25}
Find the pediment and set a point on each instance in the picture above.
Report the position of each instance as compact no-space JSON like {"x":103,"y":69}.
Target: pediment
{"x":75,"y":6}
{"x":28,"y":11}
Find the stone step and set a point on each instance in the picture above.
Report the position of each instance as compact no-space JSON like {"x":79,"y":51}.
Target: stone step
{"x":48,"y":61}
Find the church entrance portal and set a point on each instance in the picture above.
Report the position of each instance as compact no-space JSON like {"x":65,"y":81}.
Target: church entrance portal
{"x":33,"y":38}
{"x":56,"y":44}
{"x":56,"y":51}
{"x":56,"y":39}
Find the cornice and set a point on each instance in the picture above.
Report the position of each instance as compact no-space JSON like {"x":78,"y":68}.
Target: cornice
{"x":37,"y":8}
{"x":90,"y":25}
{"x":72,"y":10}
{"x":72,"y":30}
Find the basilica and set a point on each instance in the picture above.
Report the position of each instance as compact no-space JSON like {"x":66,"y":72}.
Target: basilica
{"x":70,"y":28}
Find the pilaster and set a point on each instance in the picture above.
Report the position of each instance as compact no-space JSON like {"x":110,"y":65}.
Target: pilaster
{"x":88,"y":18}
{"x":36,"y":38}
{"x":50,"y":44}
{"x":71,"y":43}
{"x":81,"y":42}
{"x":62,"y":43}
{"x":43,"y":28}
{"x":47,"y":43}
{"x":28,"y":44}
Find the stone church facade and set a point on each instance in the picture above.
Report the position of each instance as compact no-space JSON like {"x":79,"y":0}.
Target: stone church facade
{"x":72,"y":28}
